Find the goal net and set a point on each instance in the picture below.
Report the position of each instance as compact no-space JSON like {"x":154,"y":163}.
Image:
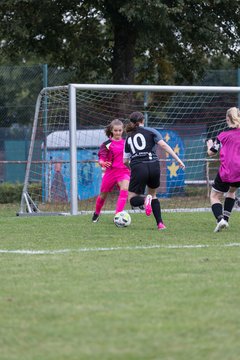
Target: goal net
{"x":62,"y":172}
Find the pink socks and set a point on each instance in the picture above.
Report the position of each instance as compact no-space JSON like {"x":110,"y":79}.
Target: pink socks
{"x":99,"y":204}
{"x":121,"y":201}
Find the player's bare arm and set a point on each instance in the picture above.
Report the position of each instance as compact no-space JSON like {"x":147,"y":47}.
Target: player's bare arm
{"x":168,"y":149}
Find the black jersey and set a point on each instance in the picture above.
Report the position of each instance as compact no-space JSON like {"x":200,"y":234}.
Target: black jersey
{"x":140,"y":145}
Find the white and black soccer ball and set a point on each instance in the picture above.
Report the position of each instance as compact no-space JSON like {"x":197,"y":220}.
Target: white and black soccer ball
{"x":122,"y":219}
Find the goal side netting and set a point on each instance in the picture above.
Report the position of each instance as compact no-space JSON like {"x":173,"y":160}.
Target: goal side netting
{"x":62,"y":172}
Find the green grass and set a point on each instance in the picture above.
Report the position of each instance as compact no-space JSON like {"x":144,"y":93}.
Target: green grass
{"x":156,"y":296}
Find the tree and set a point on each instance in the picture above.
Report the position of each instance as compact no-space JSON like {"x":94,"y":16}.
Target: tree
{"x":122,"y":41}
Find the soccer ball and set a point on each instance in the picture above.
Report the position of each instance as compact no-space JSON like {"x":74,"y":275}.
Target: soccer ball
{"x":122,"y":219}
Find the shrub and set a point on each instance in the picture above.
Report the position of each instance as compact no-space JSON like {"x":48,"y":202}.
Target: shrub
{"x":11,"y":193}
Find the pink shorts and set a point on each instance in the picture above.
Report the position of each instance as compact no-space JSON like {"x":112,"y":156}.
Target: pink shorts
{"x":112,"y":177}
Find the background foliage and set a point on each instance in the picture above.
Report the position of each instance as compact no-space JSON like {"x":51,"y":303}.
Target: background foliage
{"x":122,"y":41}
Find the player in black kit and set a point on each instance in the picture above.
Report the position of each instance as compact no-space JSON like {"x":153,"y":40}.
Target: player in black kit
{"x":140,"y":155}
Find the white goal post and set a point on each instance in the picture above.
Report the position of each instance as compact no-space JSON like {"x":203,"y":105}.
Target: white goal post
{"x":68,"y":129}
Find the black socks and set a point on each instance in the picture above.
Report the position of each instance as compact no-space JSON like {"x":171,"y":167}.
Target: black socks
{"x":156,"y":208}
{"x":137,"y":201}
{"x":225,"y":213}
{"x":228,"y":206}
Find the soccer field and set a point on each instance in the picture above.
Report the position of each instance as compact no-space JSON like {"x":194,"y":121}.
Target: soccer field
{"x":71,"y":289}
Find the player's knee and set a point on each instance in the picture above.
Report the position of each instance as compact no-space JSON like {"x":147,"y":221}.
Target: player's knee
{"x":216,"y":196}
{"x":231,"y":193}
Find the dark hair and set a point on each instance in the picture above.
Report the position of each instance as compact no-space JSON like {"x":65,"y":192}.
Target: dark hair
{"x":135,"y":119}
{"x":131,"y":127}
{"x":109,"y":128}
{"x":136,"y":116}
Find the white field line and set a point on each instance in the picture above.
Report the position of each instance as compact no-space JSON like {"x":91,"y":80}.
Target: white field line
{"x":122,"y":248}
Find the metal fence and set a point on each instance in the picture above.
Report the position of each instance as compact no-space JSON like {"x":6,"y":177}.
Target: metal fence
{"x":20,"y":86}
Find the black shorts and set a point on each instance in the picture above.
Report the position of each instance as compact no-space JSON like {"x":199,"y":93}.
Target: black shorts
{"x":222,"y":186}
{"x":144,"y":174}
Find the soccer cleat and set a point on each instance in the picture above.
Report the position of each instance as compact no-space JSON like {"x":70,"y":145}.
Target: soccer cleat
{"x":95,"y":217}
{"x":147,"y":205}
{"x":161,"y":226}
{"x":222,"y":224}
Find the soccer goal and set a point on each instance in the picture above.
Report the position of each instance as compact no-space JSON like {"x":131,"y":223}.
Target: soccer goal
{"x":62,"y":171}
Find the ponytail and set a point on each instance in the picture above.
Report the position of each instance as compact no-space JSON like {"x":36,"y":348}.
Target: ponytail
{"x":131,"y":127}
{"x":136,"y":118}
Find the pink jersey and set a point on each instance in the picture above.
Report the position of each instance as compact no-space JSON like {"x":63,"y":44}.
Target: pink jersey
{"x":230,"y":155}
{"x":112,"y":150}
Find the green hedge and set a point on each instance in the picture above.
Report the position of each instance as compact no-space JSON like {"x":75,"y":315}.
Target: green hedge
{"x":11,"y":193}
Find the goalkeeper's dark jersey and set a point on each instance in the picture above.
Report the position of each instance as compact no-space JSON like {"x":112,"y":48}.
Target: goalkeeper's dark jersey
{"x":140,"y":145}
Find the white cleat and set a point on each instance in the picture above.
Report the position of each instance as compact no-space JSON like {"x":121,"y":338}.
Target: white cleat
{"x":222,"y":224}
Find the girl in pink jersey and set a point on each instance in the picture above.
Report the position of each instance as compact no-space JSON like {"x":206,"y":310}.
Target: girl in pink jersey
{"x":116,"y":173}
{"x":228,"y":177}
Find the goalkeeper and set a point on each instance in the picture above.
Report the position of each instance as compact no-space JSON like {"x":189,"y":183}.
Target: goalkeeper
{"x":116,"y":173}
{"x":227,"y":180}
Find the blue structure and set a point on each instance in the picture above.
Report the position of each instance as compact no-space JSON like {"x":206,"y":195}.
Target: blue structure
{"x":56,"y":172}
{"x":172,"y":176}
